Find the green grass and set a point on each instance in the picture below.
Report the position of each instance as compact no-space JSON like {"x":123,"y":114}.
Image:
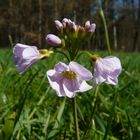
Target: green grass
{"x":31,"y":110}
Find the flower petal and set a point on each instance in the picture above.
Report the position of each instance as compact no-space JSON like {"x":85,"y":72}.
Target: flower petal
{"x":19,"y":48}
{"x":113,"y":81}
{"x":25,"y":56}
{"x":98,"y":80}
{"x":112,"y":63}
{"x":24,"y":65}
{"x":68,"y":93}
{"x":84,"y":87}
{"x":107,"y":70}
{"x":30,"y":52}
{"x":82,"y":72}
{"x":71,"y":85}
{"x":56,"y":85}
{"x":60,"y":67}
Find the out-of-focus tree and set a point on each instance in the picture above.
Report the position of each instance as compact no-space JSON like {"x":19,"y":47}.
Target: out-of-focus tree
{"x":29,"y":21}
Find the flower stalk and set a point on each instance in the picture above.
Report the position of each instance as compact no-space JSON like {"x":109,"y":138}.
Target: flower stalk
{"x":106,"y":31}
{"x":76,"y":119}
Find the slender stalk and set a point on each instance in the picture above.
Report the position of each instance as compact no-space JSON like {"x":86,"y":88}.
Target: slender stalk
{"x":92,"y":113}
{"x":106,"y":31}
{"x":110,"y":117}
{"x":76,"y":119}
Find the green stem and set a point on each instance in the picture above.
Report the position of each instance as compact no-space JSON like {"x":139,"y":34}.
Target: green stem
{"x":57,"y":51}
{"x":76,"y":119}
{"x":92,"y":113}
{"x":110,"y":117}
{"x":106,"y":31}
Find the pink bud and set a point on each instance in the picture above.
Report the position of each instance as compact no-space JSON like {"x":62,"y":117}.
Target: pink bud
{"x":66,"y":22}
{"x":73,"y":26}
{"x":87,"y":24}
{"x":92,"y":28}
{"x":58,"y":24}
{"x":53,"y":40}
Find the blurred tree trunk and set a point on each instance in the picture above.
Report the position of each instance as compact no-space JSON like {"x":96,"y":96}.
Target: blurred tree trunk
{"x":136,"y":19}
{"x":40,"y":24}
{"x":56,"y":3}
{"x":11,"y":19}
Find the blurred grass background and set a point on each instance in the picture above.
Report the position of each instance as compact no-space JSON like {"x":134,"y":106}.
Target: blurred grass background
{"x":31,"y":110}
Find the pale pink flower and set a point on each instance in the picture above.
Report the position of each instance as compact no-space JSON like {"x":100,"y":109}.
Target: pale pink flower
{"x":107,"y":70}
{"x":66,"y":80}
{"x":25,"y":56}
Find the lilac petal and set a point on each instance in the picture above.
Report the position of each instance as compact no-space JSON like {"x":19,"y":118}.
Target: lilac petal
{"x":57,"y":77}
{"x":107,"y":70}
{"x":82,"y":72}
{"x":71,"y":85}
{"x":22,"y":66}
{"x":57,"y":86}
{"x":60,"y":67}
{"x":25,"y":56}
{"x":25,"y":50}
{"x":84,"y":87}
{"x":19,"y":48}
{"x":112,"y":63}
{"x":68,"y":93}
{"x":98,"y":80}
{"x":113,"y":81}
{"x":30,"y":52}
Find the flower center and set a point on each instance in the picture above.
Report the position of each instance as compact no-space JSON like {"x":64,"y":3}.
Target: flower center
{"x":69,"y":75}
{"x":44,"y":53}
{"x":95,"y":57}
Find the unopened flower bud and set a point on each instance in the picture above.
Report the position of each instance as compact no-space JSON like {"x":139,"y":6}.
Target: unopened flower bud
{"x":72,"y":26}
{"x":92,"y":28}
{"x":66,"y":22}
{"x":53,"y":40}
{"x":87,"y":24}
{"x":58,"y":24}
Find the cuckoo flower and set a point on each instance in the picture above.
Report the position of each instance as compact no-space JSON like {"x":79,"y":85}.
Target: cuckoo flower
{"x":66,"y":80}
{"x":53,"y":40}
{"x":90,"y":27}
{"x":58,"y":24}
{"x":25,"y":56}
{"x":107,"y":70}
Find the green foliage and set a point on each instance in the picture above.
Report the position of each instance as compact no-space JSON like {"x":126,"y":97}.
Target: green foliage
{"x":31,"y":110}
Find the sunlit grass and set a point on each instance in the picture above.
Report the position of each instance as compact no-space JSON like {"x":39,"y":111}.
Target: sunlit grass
{"x":30,"y":109}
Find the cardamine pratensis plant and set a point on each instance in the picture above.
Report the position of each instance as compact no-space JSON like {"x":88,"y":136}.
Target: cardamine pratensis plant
{"x":69,"y":79}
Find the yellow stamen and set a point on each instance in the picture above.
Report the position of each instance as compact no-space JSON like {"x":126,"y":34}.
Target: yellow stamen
{"x":69,"y":75}
{"x":44,"y":53}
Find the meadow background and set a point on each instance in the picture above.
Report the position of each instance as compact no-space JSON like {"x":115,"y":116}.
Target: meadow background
{"x":31,"y":110}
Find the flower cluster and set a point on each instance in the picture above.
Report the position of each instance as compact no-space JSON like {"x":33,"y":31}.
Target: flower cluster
{"x":69,"y":79}
{"x":70,"y":26}
{"x":70,"y":33}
